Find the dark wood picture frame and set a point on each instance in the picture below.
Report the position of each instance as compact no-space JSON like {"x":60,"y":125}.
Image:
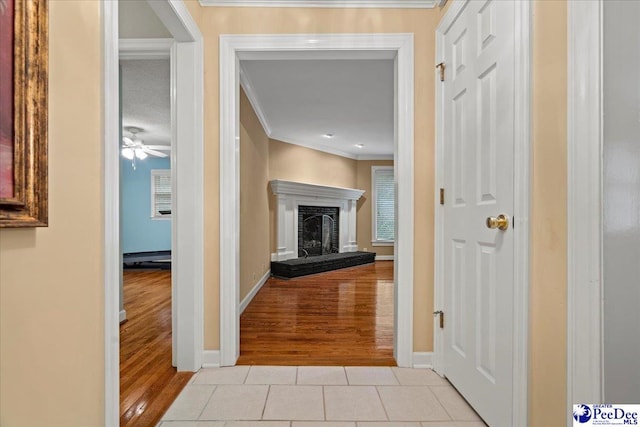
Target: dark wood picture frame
{"x":27,"y":206}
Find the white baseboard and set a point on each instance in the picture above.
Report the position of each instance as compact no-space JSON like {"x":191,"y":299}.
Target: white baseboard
{"x":385,"y":258}
{"x":123,"y":315}
{"x":245,"y":302}
{"x":211,"y":359}
{"x":423,"y":360}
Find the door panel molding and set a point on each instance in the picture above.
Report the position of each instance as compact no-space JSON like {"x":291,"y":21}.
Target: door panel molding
{"x":236,"y":47}
{"x":522,"y":194}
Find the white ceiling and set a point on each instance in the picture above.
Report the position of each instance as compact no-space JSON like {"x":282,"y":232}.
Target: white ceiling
{"x":136,"y":20}
{"x":300,"y":100}
{"x":146,"y":102}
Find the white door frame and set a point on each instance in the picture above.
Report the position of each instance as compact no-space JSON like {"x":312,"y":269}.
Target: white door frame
{"x":232,"y":49}
{"x":522,"y":190}
{"x":584,"y":203}
{"x":187,"y":175}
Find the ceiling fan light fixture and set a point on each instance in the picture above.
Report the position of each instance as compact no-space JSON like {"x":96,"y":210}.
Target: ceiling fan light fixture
{"x":140,"y":153}
{"x":127,"y":153}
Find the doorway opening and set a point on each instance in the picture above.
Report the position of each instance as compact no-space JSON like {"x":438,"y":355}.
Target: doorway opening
{"x":186,"y":180}
{"x":395,"y":47}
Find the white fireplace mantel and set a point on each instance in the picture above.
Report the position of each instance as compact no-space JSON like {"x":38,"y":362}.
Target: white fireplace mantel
{"x":290,"y":195}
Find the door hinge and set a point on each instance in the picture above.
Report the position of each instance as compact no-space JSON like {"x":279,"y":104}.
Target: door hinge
{"x":441,"y":314}
{"x":442,"y":196}
{"x":441,"y":67}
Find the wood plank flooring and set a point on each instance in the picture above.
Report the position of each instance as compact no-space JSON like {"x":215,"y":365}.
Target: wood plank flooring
{"x":343,"y":317}
{"x":148,"y":382}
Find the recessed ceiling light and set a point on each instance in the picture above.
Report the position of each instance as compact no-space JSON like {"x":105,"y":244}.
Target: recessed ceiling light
{"x":360,"y":145}
{"x":328,"y":135}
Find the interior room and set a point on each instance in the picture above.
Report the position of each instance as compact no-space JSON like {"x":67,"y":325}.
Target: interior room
{"x":312,"y":126}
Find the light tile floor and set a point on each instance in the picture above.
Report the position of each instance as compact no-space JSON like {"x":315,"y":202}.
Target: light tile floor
{"x":306,"y":396}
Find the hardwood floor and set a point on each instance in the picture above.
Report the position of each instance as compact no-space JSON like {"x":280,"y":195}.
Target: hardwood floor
{"x":148,"y":382}
{"x":343,"y":317}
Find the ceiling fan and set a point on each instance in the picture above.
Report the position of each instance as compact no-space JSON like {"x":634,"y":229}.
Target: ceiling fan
{"x":134,"y":148}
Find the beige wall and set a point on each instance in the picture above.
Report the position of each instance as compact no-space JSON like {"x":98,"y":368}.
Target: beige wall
{"x":254,"y":198}
{"x":296,"y":163}
{"x":216,"y":21}
{"x":364,"y":228}
{"x":51,"y":279}
{"x":548,"y":287}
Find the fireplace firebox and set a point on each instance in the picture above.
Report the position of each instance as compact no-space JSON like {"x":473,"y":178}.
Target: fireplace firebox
{"x":318,"y":230}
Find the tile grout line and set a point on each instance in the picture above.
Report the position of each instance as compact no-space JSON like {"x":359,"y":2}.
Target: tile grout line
{"x":324,"y":405}
{"x":440,"y":402}
{"x":215,"y":388}
{"x":264,"y":407}
{"x":244,"y":381}
{"x":384,"y":408}
{"x":393,"y":371}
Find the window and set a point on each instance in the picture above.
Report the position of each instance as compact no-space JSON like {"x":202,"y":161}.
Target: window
{"x":160,"y":193}
{"x":383,"y":205}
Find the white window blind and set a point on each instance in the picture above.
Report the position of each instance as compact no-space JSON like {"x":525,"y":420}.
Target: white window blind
{"x":160,"y":193}
{"x":383,"y":199}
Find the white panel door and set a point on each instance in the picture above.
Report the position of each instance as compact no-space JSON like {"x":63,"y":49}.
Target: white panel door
{"x":478,"y":120}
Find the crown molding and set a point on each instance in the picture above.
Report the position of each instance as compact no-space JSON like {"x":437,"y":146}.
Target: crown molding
{"x":372,"y":4}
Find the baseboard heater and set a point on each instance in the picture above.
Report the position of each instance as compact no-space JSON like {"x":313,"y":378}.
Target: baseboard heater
{"x":297,"y":267}
{"x":147,"y":260}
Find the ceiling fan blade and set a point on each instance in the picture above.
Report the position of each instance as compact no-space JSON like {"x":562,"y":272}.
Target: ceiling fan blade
{"x":128,"y":141}
{"x":153,"y":152}
{"x":159,"y":147}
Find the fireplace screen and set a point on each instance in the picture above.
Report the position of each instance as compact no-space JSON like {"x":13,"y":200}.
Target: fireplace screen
{"x":318,"y":232}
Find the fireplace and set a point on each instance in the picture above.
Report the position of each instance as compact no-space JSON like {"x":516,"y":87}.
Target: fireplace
{"x":332,"y":229}
{"x":318,"y":230}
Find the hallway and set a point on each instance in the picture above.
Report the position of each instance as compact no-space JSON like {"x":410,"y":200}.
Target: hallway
{"x":314,"y":396}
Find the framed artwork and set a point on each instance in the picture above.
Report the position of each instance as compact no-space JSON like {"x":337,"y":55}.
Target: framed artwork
{"x":24,"y":49}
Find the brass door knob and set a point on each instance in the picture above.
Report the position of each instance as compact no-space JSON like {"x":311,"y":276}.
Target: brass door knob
{"x":501,"y":222}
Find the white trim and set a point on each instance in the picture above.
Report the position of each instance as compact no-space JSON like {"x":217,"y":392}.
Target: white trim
{"x":247,"y":86}
{"x":145,"y":48}
{"x":211,"y":359}
{"x":584,"y":203}
{"x":282,"y":187}
{"x":232,"y":49}
{"x":111,"y":192}
{"x":381,"y":243}
{"x":413,"y":4}
{"x":256,"y":288}
{"x":385,"y":257}
{"x":188,"y":216}
{"x":522,"y":194}
{"x":188,"y":259}
{"x":375,"y":157}
{"x":123,"y":315}
{"x":423,"y":360}
{"x":521,"y":209}
{"x":311,"y":146}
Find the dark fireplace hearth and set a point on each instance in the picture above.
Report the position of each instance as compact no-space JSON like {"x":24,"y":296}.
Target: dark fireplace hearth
{"x":318,"y":230}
